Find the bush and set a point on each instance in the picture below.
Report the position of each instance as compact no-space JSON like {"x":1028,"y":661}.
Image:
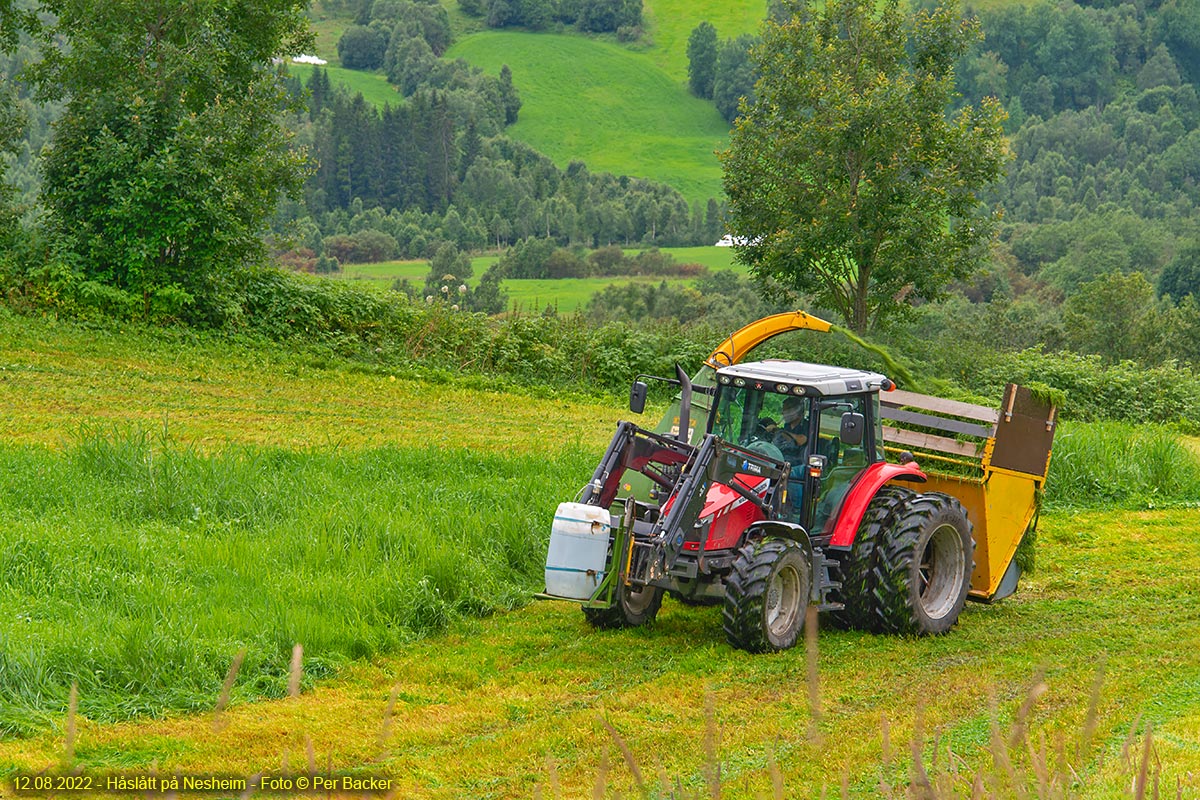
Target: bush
{"x":1127,"y":391}
{"x":362,"y":47}
{"x":364,"y":247}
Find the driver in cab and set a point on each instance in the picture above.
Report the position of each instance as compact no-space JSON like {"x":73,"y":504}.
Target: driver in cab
{"x":792,"y":437}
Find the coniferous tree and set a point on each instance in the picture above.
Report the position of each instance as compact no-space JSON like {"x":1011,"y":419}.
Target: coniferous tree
{"x":702,"y":60}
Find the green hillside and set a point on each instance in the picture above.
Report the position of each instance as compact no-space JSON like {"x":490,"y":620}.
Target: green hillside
{"x":596,"y":102}
{"x":373,"y":86}
{"x":624,"y":110}
{"x":670,"y":22}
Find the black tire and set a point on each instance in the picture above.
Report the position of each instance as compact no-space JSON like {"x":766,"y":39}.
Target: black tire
{"x":857,"y":567}
{"x":923,"y":567}
{"x":634,"y":607}
{"x":766,"y":595}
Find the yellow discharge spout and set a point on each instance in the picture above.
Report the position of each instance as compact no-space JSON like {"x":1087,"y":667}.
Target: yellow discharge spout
{"x":739,"y":345}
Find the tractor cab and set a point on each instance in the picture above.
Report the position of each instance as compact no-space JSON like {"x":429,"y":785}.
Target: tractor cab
{"x":822,"y":421}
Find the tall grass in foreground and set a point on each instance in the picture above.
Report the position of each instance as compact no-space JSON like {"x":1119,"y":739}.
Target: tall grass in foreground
{"x":137,"y":571}
{"x":1117,"y":464}
{"x":1018,"y":759}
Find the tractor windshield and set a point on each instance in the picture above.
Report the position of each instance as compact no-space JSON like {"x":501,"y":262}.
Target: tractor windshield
{"x":759,"y":419}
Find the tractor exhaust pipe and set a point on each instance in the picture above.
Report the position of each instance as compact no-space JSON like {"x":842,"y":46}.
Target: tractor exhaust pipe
{"x":685,"y":404}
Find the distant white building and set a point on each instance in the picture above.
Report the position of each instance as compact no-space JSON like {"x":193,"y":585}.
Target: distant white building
{"x":320,"y":62}
{"x":733,"y":241}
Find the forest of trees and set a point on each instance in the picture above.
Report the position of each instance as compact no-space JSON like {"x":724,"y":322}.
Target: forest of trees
{"x":622,"y":17}
{"x":436,"y":168}
{"x":424,"y":172}
{"x":721,"y":70}
{"x":1098,"y":246}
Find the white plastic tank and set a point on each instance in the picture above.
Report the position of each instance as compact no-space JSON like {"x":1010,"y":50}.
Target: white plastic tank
{"x":578,"y":552}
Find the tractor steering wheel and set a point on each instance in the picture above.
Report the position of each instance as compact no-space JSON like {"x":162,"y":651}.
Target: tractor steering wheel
{"x":766,"y":448}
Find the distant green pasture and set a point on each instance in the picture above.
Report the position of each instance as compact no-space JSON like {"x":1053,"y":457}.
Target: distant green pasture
{"x":327,"y":29}
{"x":373,"y":86}
{"x":669,"y":23}
{"x":615,"y":110}
{"x":414,"y":270}
{"x":712,"y":257}
{"x":387,"y":271}
{"x":566,"y":294}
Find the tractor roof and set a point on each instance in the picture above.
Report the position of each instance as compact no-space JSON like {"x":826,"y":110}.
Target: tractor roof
{"x":815,"y":379}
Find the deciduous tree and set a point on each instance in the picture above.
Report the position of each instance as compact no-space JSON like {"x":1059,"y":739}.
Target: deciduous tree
{"x":846,"y":178}
{"x":170,"y":155}
{"x":12,"y":119}
{"x":734,"y":75}
{"x":1181,"y":277}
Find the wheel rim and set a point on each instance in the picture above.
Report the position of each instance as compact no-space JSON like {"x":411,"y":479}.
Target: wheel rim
{"x":638,"y":601}
{"x":940,"y":572}
{"x":783,"y":601}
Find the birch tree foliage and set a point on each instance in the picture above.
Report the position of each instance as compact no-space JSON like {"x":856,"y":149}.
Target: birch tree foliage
{"x":850,"y":179}
{"x":171,"y":153}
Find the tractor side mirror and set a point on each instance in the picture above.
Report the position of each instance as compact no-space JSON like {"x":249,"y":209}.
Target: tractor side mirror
{"x":637,"y":397}
{"x":853,"y":425}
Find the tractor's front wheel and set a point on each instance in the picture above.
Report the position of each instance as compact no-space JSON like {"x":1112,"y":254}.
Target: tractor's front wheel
{"x":766,"y":595}
{"x":923,"y":567}
{"x":633,"y":607}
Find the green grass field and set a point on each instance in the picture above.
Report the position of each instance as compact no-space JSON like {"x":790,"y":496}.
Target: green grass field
{"x":373,"y":86}
{"x":565,"y":294}
{"x":619,"y":109}
{"x":386,"y":524}
{"x":597,"y":102}
{"x":669,"y":23}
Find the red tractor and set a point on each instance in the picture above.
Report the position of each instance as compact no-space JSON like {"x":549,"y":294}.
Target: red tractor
{"x":782,"y":496}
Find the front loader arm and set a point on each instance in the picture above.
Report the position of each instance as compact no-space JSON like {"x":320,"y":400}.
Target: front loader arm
{"x":637,"y":449}
{"x":715,"y":461}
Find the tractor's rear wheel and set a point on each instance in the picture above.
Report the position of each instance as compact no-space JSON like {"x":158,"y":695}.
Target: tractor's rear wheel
{"x":766,"y":595}
{"x":633,"y":607}
{"x":923,"y":567}
{"x":857,"y":567}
